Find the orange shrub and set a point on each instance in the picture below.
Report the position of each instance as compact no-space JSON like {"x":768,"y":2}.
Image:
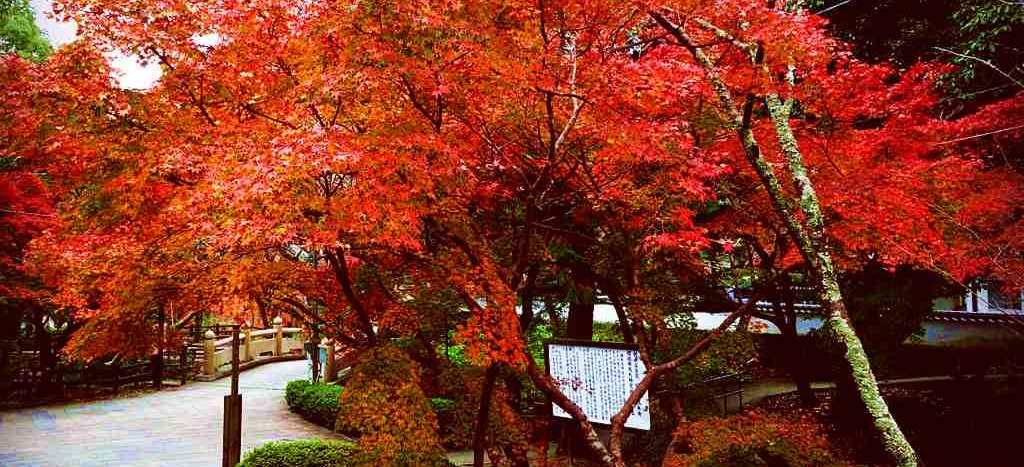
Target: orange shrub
{"x":752,"y":439}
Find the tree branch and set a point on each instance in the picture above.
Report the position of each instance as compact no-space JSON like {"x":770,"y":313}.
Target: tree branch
{"x":340,"y":267}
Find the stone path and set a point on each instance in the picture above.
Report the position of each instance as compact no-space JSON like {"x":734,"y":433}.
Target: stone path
{"x":175,"y":427}
{"x":181,"y":427}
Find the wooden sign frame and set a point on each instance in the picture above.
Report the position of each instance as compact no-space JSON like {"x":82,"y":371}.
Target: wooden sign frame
{"x":644,"y":405}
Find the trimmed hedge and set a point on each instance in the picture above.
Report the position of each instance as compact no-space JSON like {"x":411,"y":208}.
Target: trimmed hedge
{"x":317,"y":403}
{"x":302,"y":453}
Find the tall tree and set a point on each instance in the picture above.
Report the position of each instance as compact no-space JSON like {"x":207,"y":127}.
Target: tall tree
{"x":354,"y":163}
{"x":19,"y":32}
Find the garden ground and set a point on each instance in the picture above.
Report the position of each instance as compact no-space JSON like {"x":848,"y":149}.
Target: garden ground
{"x":950,"y":423}
{"x":176,"y":427}
{"x":181,"y":427}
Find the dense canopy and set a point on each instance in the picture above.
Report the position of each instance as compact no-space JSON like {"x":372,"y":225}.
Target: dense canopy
{"x":395,"y":169}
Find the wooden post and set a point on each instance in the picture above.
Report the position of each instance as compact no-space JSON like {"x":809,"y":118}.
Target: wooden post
{"x":247,"y":349}
{"x":233,"y":410}
{"x":331,"y":372}
{"x":232,"y":430}
{"x":234,"y":360}
{"x":183,"y":365}
{"x":158,"y":359}
{"x":278,"y":335}
{"x":117,"y":375}
{"x":209,"y":349}
{"x":156,"y":374}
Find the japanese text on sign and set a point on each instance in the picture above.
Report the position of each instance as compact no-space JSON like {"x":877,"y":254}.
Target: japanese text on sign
{"x":598,"y":379}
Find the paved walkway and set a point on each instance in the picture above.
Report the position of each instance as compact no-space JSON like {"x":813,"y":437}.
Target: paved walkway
{"x":175,"y":427}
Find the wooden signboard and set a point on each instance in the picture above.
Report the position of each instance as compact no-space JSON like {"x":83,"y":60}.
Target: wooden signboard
{"x":598,"y":377}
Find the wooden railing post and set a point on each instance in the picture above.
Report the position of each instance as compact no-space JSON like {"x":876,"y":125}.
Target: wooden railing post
{"x":209,"y":349}
{"x":247,"y":349}
{"x":117,"y":376}
{"x":331,"y":372}
{"x":278,"y":335}
{"x":183,"y":365}
{"x":157,"y":360}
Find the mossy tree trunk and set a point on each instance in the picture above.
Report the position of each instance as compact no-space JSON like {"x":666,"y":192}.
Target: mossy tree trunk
{"x":837,"y":319}
{"x":808,"y":235}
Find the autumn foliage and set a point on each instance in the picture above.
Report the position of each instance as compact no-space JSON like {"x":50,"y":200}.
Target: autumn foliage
{"x":456,"y":145}
{"x":385,"y":405}
{"x":751,"y":439}
{"x":390,"y":170}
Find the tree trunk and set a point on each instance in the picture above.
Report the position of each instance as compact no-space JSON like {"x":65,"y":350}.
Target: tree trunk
{"x":581,"y":309}
{"x":340,"y":267}
{"x":581,"y":319}
{"x":791,"y":341}
{"x":809,"y":238}
{"x":158,"y":358}
{"x":620,"y":312}
{"x":261,"y":306}
{"x":47,"y":354}
{"x":543,"y":442}
{"x":550,"y":389}
{"x":491,"y":375}
{"x":551,"y":308}
{"x":856,"y":360}
{"x":838,"y":321}
{"x":618,"y":421}
{"x":483,"y":416}
{"x":680,"y":420}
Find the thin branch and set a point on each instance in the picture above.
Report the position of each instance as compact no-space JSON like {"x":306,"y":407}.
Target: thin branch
{"x":259,"y":113}
{"x":749,"y":47}
{"x":26,"y":213}
{"x":833,"y":7}
{"x":983,"y":62}
{"x":577,"y":103}
{"x":956,"y":140}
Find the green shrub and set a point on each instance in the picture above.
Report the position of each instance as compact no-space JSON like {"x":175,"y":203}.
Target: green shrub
{"x":317,"y":403}
{"x":302,"y":453}
{"x":440,"y":404}
{"x":294,"y":390}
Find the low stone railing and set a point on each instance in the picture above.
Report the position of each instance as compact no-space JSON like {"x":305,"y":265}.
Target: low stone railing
{"x":338,"y":362}
{"x":254,"y":347}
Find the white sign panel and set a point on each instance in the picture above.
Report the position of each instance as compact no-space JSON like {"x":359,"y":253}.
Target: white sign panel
{"x":599,"y":380}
